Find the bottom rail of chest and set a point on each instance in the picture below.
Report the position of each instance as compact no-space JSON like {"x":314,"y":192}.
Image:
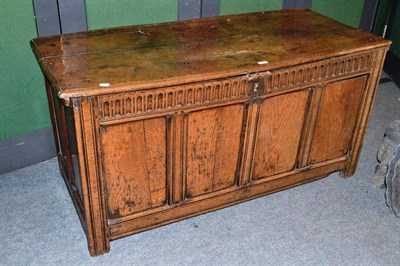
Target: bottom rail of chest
{"x":118,"y":229}
{"x":166,"y":214}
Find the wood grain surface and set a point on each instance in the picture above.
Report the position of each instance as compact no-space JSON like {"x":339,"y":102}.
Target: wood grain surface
{"x":278,"y":135}
{"x":337,"y":117}
{"x":134,"y":161}
{"x":212,"y":149}
{"x":136,"y":57}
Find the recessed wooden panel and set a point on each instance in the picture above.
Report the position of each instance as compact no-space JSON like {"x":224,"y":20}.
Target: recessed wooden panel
{"x":212,"y":149}
{"x":278,"y":135}
{"x":134,"y":166}
{"x":337,"y":118}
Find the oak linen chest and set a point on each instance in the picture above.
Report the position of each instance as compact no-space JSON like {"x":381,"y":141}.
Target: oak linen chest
{"x":157,"y":123}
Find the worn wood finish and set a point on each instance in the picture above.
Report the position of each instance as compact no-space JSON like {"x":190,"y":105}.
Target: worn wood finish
{"x":336,"y":122}
{"x":199,"y":115}
{"x":311,"y":116}
{"x":213,"y":149}
{"x":365,"y":112}
{"x":145,"y":56}
{"x":134,"y":166}
{"x":278,"y":135}
{"x":92,"y":185}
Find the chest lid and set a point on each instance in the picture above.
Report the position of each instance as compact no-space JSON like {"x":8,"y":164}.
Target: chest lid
{"x":147,"y":56}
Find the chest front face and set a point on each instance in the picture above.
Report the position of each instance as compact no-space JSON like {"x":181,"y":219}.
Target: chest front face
{"x":165,"y":147}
